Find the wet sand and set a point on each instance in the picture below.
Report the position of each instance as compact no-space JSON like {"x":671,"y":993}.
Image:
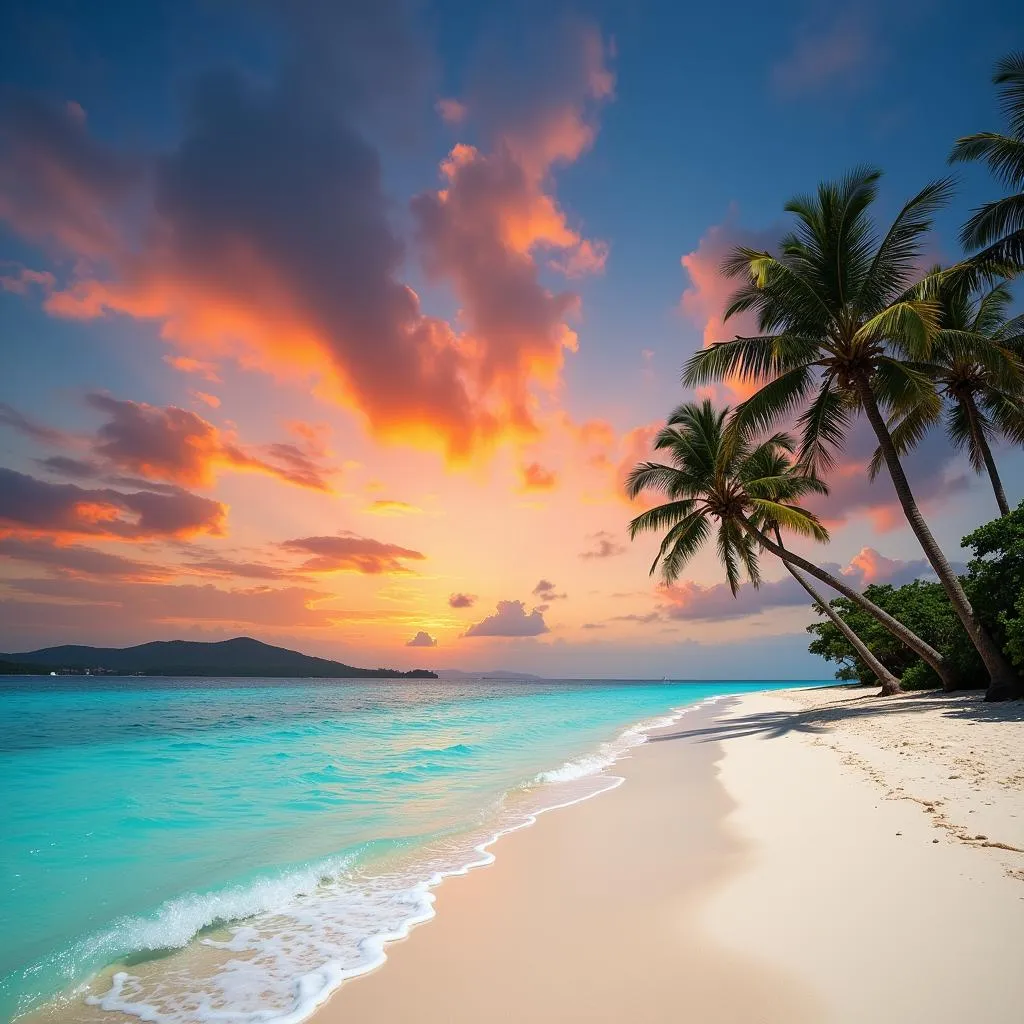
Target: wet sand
{"x":780,"y":857}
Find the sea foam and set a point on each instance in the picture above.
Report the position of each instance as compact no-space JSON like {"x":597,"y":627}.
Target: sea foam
{"x":296,"y":939}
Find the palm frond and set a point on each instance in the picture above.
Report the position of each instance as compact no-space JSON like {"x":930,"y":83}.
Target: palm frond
{"x":681,"y":543}
{"x":791,"y":517}
{"x":993,"y":223}
{"x":651,"y":476}
{"x":1010,"y":76}
{"x":822,"y":427}
{"x":773,"y":402}
{"x":1003,"y":155}
{"x":896,"y":257}
{"x":909,"y":326}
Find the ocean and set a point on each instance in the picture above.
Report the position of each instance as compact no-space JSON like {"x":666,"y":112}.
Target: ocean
{"x":274,"y":833}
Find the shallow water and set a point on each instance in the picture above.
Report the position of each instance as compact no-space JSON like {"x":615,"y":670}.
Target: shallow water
{"x":282,"y":828}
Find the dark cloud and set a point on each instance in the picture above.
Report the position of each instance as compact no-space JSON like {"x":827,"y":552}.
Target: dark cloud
{"x":77,"y":469}
{"x":421,"y":639}
{"x":510,"y":619}
{"x":265,"y":231}
{"x":604,"y":546}
{"x":545,"y":590}
{"x":10,"y":417}
{"x":347,"y":552}
{"x":461,"y":600}
{"x":934,"y":469}
{"x":36,"y":506}
{"x":77,"y":560}
{"x":643,"y":619}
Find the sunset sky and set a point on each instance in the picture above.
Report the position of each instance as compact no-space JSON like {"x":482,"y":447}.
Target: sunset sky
{"x":342,"y":329}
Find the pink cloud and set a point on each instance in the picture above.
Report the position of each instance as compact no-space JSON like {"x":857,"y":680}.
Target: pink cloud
{"x":933,"y":468}
{"x":706,"y":298}
{"x":452,"y":111}
{"x":462,"y":600}
{"x":690,"y":600}
{"x":348,"y":552}
{"x":179,"y":446}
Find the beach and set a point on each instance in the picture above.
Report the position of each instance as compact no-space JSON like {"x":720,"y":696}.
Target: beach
{"x":806,"y":855}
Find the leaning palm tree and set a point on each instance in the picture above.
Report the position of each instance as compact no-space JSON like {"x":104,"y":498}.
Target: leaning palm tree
{"x":997,"y":228}
{"x":739,"y":489}
{"x":845,"y":327}
{"x":976,"y":363}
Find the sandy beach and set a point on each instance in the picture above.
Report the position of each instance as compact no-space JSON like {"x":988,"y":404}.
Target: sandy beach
{"x":814,"y":855}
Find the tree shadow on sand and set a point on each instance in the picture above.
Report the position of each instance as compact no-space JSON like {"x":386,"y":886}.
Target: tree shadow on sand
{"x":969,"y":706}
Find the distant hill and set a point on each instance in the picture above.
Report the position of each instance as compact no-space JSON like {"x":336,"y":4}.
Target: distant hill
{"x":242,"y":656}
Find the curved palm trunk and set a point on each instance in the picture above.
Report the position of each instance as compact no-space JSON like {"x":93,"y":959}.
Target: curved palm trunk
{"x":924,"y":651}
{"x":890,"y":684}
{"x":981,"y":442}
{"x":1004,"y":683}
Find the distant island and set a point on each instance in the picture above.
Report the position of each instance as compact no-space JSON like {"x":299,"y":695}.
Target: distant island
{"x":243,"y":656}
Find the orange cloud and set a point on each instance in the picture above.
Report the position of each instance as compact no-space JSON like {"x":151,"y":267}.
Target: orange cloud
{"x":635,"y":446}
{"x":263,"y":236}
{"x":347,"y":552}
{"x":211,"y":400}
{"x":387,"y":507}
{"x":189,"y":365}
{"x":536,"y":478}
{"x":180,"y":447}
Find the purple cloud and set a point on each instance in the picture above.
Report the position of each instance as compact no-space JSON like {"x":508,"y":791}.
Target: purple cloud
{"x":510,"y":619}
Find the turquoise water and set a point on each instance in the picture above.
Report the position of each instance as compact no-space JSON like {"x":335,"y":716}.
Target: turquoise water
{"x":287,"y":827}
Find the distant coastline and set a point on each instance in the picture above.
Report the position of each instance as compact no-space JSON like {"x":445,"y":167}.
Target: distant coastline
{"x":241,"y":657}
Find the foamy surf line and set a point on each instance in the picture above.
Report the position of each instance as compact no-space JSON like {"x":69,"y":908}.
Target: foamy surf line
{"x":294,"y":956}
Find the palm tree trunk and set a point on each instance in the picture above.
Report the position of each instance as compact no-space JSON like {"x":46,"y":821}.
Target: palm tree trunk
{"x":890,"y":684}
{"x":981,"y":442}
{"x":1004,"y":683}
{"x":924,"y":651}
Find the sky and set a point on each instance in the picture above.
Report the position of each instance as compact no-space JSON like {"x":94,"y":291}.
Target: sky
{"x":341,"y":325}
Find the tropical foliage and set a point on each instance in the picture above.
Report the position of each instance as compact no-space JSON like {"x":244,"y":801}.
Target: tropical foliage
{"x":848,"y":326}
{"x":995,"y":582}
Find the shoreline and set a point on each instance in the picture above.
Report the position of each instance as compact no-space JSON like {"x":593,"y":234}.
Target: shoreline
{"x":765,"y":860}
{"x":105,"y":997}
{"x":796,"y":855}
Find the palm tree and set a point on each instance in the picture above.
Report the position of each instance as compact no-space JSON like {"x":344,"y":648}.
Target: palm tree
{"x":975,"y":362}
{"x":997,"y":228}
{"x":890,"y":684}
{"x":744,"y":488}
{"x":844,"y":332}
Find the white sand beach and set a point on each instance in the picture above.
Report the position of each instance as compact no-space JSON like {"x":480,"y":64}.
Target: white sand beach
{"x":816,"y":855}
